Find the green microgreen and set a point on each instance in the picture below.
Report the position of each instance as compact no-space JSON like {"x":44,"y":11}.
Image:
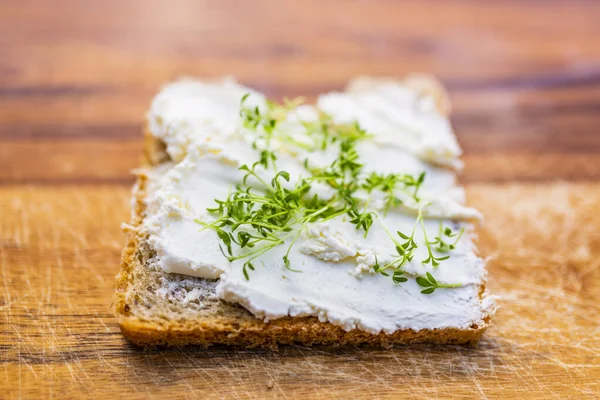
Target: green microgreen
{"x":430,"y":284}
{"x":266,"y":210}
{"x":431,"y":257}
{"x":447,"y":239}
{"x":390,"y":183}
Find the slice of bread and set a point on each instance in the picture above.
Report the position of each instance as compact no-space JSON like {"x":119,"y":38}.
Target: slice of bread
{"x":156,"y":308}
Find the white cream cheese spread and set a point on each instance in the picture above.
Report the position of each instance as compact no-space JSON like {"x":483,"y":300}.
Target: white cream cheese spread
{"x":335,"y":270}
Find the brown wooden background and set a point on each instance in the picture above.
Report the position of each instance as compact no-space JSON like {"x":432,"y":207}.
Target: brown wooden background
{"x":77,"y":76}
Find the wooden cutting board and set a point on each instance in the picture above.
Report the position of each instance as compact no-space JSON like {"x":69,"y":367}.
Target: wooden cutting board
{"x":76,"y":78}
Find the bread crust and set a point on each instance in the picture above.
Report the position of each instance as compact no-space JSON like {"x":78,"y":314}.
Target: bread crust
{"x":231,"y":324}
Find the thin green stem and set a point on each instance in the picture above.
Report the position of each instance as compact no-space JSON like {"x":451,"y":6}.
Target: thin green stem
{"x":449,"y":285}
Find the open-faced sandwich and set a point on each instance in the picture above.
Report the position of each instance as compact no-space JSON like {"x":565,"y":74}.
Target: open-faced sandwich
{"x":257,"y":223}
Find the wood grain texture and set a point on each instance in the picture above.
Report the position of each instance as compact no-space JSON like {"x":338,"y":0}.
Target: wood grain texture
{"x":76,"y":78}
{"x":60,"y":337}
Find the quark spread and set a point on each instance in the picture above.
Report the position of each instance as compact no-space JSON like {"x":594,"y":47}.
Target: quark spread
{"x":334,"y":268}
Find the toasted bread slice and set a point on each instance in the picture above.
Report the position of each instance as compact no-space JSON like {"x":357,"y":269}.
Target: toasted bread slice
{"x":156,"y":308}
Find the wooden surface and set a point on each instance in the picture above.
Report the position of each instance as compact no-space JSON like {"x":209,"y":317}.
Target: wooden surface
{"x":76,"y":78}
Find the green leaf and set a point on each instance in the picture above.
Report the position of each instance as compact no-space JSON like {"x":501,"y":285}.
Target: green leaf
{"x":376,"y":266}
{"x":243,"y":238}
{"x":402,"y":235}
{"x":398,"y":276}
{"x":428,"y":290}
{"x":431,"y":278}
{"x":247,"y":265}
{"x":285,"y":175}
{"x":423,"y":282}
{"x":224,"y":236}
